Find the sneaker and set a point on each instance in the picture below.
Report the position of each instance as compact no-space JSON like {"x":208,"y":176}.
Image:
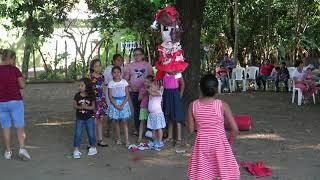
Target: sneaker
{"x":76,"y":154}
{"x":23,"y":153}
{"x":7,"y":155}
{"x":92,"y":151}
{"x":149,"y":134}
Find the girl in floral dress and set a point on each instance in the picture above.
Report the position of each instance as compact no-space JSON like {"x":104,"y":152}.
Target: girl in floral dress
{"x":97,"y":80}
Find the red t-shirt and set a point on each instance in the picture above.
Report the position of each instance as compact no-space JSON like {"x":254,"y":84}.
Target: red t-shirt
{"x":266,"y":69}
{"x":9,"y":87}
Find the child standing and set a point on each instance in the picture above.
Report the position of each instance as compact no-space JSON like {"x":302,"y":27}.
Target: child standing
{"x":156,"y":119}
{"x":173,"y":85}
{"x":84,"y":103}
{"x":119,"y":111}
{"x":212,"y":156}
{"x":98,"y":81}
{"x":144,"y":98}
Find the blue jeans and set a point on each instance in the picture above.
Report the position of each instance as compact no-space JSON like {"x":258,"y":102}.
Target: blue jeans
{"x":136,"y":108}
{"x":12,"y":112}
{"x":224,"y":82}
{"x":91,"y":132}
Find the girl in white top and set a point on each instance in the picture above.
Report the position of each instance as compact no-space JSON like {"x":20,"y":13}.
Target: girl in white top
{"x":119,"y":111}
{"x":156,"y":119}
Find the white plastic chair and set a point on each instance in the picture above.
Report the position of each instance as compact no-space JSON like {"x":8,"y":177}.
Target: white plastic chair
{"x":251,"y":74}
{"x":238,"y":74}
{"x":290,"y":81}
{"x":219,"y":86}
{"x":300,"y":95}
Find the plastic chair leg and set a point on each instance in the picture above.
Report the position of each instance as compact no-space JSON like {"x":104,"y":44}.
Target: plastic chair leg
{"x":299,"y":97}
{"x":293,"y":95}
{"x":314,"y":98}
{"x":244,"y":85}
{"x":219,"y":86}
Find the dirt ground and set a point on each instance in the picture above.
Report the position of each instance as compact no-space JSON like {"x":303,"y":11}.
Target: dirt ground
{"x":285,"y":137}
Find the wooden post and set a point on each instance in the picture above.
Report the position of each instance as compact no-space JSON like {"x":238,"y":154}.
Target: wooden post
{"x":124,"y":51}
{"x":99,"y":48}
{"x":34,"y":65}
{"x":117,"y":48}
{"x":75,"y":66}
{"x":55,"y":60}
{"x":66,"y":59}
{"x":106,"y":47}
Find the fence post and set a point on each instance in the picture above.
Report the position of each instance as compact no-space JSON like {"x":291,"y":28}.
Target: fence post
{"x":34,"y":64}
{"x":66,"y":59}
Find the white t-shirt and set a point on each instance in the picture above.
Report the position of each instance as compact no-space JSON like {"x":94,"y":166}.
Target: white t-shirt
{"x":298,"y":75}
{"x":118,"y":88}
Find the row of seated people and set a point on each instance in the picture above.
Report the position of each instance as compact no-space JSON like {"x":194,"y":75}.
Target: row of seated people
{"x":267,"y":72}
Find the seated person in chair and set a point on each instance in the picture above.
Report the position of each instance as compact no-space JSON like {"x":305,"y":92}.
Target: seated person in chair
{"x":265,"y":71}
{"x":301,"y":82}
{"x":222,"y":74}
{"x":283,"y":76}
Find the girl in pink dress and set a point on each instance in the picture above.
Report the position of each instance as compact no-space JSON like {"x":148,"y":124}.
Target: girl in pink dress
{"x":212,"y":156}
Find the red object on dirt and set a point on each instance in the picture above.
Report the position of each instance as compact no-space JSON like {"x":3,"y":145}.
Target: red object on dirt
{"x":244,"y":122}
{"x":257,"y":169}
{"x":136,"y":158}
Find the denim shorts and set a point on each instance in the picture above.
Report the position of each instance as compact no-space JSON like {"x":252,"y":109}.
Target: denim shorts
{"x":12,"y":112}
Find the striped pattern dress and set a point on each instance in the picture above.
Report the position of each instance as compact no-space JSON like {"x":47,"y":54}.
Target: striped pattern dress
{"x":212,"y":156}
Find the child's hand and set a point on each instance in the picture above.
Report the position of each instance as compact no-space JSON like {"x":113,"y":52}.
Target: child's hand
{"x":83,"y":106}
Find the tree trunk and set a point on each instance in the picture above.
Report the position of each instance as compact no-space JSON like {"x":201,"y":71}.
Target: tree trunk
{"x":44,"y":61}
{"x":191,"y":15}
{"x":55,"y":60}
{"x":34,"y":64}
{"x":66,"y":59}
{"x":26,"y":54}
{"x":236,"y":31}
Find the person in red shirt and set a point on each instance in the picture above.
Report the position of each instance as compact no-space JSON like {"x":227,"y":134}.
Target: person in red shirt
{"x":222,"y":74}
{"x":265,"y":72}
{"x":11,"y":102}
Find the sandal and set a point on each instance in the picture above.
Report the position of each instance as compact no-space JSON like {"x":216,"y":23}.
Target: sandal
{"x":168,"y":140}
{"x":102,"y":144}
{"x":135,"y":133}
{"x":118,"y":142}
{"x":107,"y":134}
{"x":139,"y":141}
{"x":178,"y":143}
{"x":128,"y":144}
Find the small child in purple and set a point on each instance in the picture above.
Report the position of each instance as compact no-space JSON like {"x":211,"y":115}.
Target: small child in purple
{"x":144,"y":98}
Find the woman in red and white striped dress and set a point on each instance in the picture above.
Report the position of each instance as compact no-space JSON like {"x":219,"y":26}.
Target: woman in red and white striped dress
{"x":212,"y":156}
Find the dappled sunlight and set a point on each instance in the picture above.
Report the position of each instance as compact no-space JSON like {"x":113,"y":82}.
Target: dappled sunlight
{"x":32,"y":147}
{"x":55,"y":123}
{"x":268,"y":136}
{"x":163,"y":162}
{"x":305,"y":146}
{"x":277,"y":167}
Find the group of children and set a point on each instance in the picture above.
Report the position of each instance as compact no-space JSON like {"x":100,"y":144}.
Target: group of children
{"x":96,"y":99}
{"x":212,"y":156}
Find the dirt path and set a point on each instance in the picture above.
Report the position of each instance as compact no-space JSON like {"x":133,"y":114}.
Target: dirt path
{"x":286,"y":138}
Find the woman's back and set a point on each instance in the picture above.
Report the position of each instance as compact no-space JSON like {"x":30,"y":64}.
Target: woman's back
{"x":9,"y":88}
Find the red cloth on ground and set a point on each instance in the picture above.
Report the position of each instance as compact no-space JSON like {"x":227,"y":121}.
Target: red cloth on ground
{"x":257,"y":169}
